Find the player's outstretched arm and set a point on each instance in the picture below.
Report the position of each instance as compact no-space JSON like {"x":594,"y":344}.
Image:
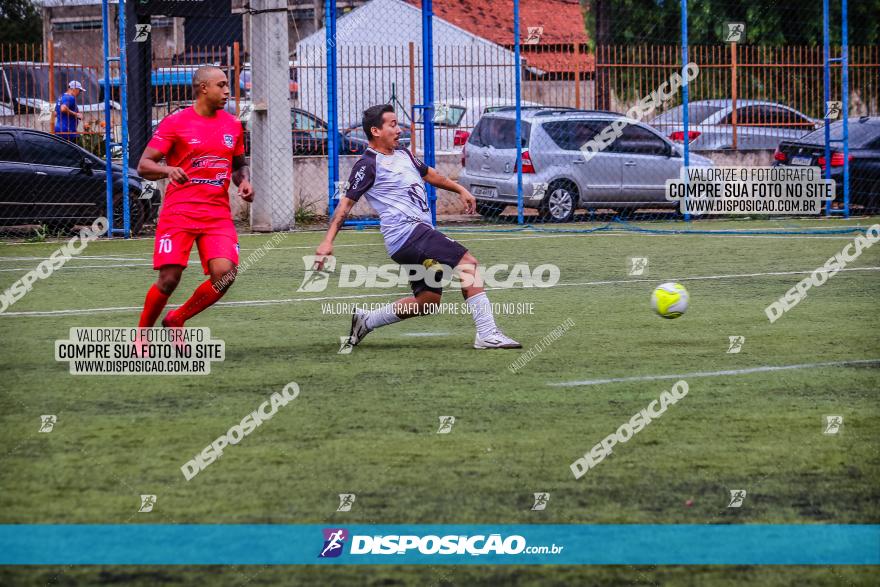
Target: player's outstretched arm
{"x":439,"y":180}
{"x":325,"y":249}
{"x":241,"y":177}
{"x":149,"y":167}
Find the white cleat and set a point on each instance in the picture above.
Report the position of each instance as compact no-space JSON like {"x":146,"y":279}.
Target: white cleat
{"x":495,"y":340}
{"x":358,"y":327}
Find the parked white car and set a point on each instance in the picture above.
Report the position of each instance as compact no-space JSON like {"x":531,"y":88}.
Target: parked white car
{"x":454,"y":120}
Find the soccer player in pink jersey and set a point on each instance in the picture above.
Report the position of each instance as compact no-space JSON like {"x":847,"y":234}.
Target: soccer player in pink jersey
{"x":203,"y":147}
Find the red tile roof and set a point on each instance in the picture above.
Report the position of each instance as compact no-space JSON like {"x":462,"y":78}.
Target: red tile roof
{"x":562,"y":20}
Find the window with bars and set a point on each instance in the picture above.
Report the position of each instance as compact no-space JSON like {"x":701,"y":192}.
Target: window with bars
{"x":76,"y":25}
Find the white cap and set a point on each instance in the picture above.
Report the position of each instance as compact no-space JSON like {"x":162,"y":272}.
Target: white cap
{"x":76,"y":86}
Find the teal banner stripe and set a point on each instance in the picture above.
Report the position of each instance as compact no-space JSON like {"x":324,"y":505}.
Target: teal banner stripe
{"x":147,"y":544}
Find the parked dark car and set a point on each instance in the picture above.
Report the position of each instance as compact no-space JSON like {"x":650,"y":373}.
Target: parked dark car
{"x":864,"y":158}
{"x":47,"y":180}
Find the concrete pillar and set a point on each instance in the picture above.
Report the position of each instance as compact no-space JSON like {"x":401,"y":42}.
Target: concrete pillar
{"x":271,"y":159}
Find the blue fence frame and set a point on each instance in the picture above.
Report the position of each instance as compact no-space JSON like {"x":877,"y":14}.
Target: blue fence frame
{"x":427,"y":107}
{"x":122,"y":83}
{"x":332,"y":121}
{"x":844,"y":61}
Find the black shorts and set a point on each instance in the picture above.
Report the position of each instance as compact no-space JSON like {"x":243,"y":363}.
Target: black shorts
{"x":427,"y":244}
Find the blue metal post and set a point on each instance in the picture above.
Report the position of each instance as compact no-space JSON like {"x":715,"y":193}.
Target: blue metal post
{"x":844,"y":35}
{"x":108,"y":122}
{"x":428,"y":85}
{"x":332,"y":119}
{"x":826,"y":72}
{"x":516,"y":52}
{"x":123,"y":83}
{"x":684,"y":87}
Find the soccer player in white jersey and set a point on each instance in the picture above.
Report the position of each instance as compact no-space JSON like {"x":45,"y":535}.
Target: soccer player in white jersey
{"x":392,"y":181}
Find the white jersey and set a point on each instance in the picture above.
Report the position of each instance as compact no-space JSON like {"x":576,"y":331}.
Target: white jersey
{"x":394,"y":188}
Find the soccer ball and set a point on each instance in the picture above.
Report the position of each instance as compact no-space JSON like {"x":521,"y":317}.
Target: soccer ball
{"x":670,"y":300}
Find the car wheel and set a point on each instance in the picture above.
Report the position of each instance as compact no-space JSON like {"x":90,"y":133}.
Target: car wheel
{"x":136,"y":210}
{"x":560,"y":202}
{"x":489,"y":211}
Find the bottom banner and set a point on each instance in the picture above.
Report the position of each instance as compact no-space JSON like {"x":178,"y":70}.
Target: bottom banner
{"x":145,"y":544}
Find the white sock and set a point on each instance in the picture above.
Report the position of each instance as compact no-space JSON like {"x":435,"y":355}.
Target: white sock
{"x":382,"y":317}
{"x":481,"y":310}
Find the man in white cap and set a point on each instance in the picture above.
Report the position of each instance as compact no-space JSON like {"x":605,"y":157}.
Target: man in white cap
{"x":67,"y":115}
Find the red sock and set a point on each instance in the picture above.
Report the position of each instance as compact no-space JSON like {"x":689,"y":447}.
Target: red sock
{"x":153,"y":306}
{"x":204,"y":296}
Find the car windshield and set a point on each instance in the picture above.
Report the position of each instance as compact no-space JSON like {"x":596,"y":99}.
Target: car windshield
{"x":499,"y":133}
{"x":32,"y":81}
{"x":697,"y":113}
{"x":447,"y":114}
{"x":861,"y":134}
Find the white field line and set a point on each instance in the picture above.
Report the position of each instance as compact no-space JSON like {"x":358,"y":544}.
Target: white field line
{"x":361,"y":245}
{"x":92,"y":257}
{"x":397,"y":294}
{"x":761,"y":369}
{"x":304,"y":247}
{"x":531,"y":234}
{"x":69,"y":267}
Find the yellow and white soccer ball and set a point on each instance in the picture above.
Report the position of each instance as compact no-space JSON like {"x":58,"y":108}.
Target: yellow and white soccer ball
{"x":670,"y":300}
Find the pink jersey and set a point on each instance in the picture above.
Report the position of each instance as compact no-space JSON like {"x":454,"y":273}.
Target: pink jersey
{"x":203,"y":147}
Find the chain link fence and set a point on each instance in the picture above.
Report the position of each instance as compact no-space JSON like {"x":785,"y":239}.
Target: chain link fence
{"x":601,"y":122}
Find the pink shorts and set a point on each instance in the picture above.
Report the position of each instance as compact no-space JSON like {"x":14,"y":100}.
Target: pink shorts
{"x":175,"y":234}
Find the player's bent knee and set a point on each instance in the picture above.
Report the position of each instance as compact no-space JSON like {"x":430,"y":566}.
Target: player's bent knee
{"x":169,"y":278}
{"x":223,"y":279}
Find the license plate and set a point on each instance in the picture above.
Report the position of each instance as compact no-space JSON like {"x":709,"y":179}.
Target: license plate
{"x":801,"y":160}
{"x":484,"y":191}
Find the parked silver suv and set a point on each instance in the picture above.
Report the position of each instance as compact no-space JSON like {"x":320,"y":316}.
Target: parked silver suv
{"x":557,"y":179}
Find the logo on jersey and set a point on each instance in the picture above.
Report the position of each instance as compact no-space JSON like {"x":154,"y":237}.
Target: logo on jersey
{"x":227,"y":140}
{"x":358,"y":177}
{"x":218,"y":180}
{"x":209,"y":162}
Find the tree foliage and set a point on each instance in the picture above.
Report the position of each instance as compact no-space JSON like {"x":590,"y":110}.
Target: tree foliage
{"x":20,"y":22}
{"x":768,"y":22}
